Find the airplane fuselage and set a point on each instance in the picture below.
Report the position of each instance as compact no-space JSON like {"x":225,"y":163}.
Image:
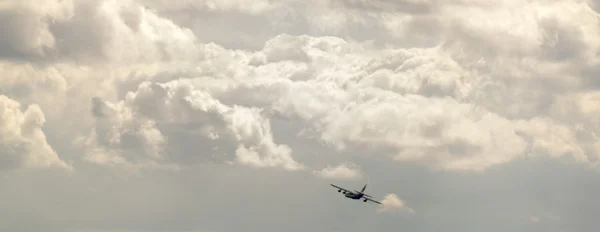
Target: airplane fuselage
{"x":354,"y":196}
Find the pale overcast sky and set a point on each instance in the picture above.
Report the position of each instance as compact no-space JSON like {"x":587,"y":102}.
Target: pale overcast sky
{"x":236,"y":115}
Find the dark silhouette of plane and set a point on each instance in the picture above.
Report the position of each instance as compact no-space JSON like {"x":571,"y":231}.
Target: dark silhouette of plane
{"x":356,"y":195}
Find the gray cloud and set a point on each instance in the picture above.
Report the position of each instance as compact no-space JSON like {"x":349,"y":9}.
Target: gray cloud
{"x":146,"y":115}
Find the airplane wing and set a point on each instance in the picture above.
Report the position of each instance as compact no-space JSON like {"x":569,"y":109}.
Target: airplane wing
{"x":340,"y":188}
{"x":369,"y":199}
{"x":366,"y":195}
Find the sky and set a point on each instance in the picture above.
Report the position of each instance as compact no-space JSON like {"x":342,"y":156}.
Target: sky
{"x":236,"y":115}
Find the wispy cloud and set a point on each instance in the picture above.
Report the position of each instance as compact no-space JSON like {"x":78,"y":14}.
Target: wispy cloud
{"x":344,"y":171}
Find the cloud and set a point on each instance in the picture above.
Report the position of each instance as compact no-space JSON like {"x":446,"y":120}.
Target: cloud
{"x":344,"y":171}
{"x":22,"y":140}
{"x":392,"y":203}
{"x":26,"y":27}
{"x":147,"y":85}
{"x":321,"y":104}
{"x":138,"y":129}
{"x":241,"y":6}
{"x":346,"y":92}
{"x":544,"y":219}
{"x":534,"y":219}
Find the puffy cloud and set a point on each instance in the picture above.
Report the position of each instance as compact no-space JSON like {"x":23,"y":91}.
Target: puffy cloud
{"x":26,"y":27}
{"x":162,"y":123}
{"x":22,"y":141}
{"x":391,"y":202}
{"x":344,"y":171}
{"x":345,"y":92}
{"x":459,"y":85}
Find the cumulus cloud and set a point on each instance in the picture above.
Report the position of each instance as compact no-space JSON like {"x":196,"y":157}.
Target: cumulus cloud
{"x":26,"y":26}
{"x":344,"y":171}
{"x":190,"y":119}
{"x":23,"y":141}
{"x":392,"y":203}
{"x":148,"y":84}
{"x":441,"y":106}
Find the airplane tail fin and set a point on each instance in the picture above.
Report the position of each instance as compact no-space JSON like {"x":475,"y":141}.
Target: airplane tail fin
{"x":363,"y":189}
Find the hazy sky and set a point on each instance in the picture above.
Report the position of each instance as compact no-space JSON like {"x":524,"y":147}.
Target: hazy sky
{"x":236,"y":115}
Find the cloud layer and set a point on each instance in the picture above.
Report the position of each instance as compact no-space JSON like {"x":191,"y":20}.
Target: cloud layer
{"x":144,"y":86}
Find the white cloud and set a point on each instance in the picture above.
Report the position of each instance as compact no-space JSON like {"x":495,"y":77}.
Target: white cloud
{"x":149,"y":124}
{"x":148,"y":84}
{"x":22,"y":140}
{"x":350,"y":94}
{"x":343,"y":171}
{"x":392,"y":203}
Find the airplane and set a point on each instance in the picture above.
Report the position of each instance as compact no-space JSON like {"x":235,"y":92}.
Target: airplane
{"x":356,"y":195}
